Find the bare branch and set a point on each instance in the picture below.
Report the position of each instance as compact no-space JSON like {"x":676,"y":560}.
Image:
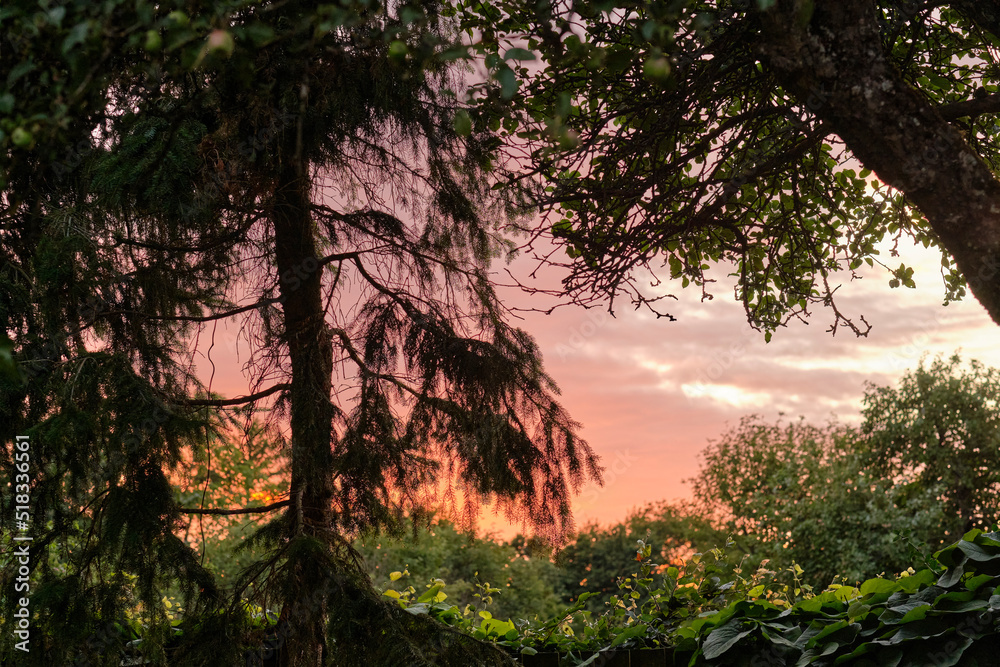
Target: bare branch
{"x":214,"y":316}
{"x":987,"y":104}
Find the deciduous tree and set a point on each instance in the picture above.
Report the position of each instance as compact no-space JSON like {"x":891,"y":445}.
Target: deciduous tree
{"x":833,"y":498}
{"x":795,"y":493}
{"x":781,"y":140}
{"x":937,"y":432}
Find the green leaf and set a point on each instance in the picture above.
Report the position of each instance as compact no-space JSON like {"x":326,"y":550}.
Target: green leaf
{"x":845,"y":593}
{"x":904,"y":610}
{"x":637,"y":630}
{"x":6,"y":103}
{"x":516,"y":53}
{"x":19,"y":70}
{"x":952,"y":576}
{"x":723,"y":638}
{"x":939,"y":81}
{"x":260,"y":34}
{"x":915,"y":582}
{"x":497,"y":627}
{"x":878,"y":585}
{"x":977,"y":552}
{"x":977,"y":582}
{"x":419,"y":609}
{"x":430,"y":593}
{"x":508,"y":82}
{"x":676,"y":266}
{"x":858,"y":609}
{"x":463,"y":123}
{"x":76,"y":36}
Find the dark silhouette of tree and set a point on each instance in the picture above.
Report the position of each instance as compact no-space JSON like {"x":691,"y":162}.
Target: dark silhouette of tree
{"x":673,"y":136}
{"x":305,"y":173}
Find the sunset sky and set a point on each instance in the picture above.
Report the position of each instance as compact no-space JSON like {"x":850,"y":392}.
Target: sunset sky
{"x":651,"y":393}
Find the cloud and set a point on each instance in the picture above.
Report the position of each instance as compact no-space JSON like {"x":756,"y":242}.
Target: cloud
{"x":654,"y":392}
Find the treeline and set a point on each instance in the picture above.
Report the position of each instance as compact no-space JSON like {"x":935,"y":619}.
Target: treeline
{"x":834,"y":503}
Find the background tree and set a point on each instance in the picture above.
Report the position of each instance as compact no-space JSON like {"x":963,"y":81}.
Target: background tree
{"x":528,"y":582}
{"x":833,"y":498}
{"x":240,"y":467}
{"x":677,"y":135}
{"x":937,"y":433}
{"x":795,"y":493}
{"x":297,"y":170}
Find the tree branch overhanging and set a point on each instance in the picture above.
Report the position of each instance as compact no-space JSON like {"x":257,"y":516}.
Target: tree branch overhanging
{"x":243,"y":510}
{"x":835,"y":56}
{"x":239,"y":400}
{"x":986,"y":104}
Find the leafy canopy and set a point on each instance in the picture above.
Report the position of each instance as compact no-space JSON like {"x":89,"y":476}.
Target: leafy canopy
{"x":686,"y":139}
{"x":916,"y":472}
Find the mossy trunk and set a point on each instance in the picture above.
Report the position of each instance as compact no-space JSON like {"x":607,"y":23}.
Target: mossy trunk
{"x":311,"y":354}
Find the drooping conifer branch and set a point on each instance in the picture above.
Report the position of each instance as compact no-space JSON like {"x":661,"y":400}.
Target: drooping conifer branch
{"x":239,"y":400}
{"x":242,"y":510}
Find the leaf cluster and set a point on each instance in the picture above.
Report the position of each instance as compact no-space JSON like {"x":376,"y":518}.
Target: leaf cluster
{"x":660,"y":142}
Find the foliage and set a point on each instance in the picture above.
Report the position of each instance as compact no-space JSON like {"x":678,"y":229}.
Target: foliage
{"x":936,"y":434}
{"x":689,"y":137}
{"x":917,"y":468}
{"x":294,"y":171}
{"x":946,"y":615}
{"x":597,"y":557}
{"x":717,"y":609}
{"x":800,"y":493}
{"x":704,"y":617}
{"x":657,"y":600}
{"x":531,"y":581}
{"x":245,"y":466}
{"x":524,"y":585}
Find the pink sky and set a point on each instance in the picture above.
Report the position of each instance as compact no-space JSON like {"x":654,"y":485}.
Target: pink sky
{"x":651,"y":393}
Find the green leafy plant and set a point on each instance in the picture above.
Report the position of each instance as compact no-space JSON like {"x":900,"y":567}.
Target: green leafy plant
{"x":716,"y":609}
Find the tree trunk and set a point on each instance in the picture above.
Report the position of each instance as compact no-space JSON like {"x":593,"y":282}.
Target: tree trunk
{"x":311,"y":353}
{"x":832,"y":59}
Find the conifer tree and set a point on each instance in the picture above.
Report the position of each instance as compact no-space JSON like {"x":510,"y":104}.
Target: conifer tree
{"x":309,"y":174}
